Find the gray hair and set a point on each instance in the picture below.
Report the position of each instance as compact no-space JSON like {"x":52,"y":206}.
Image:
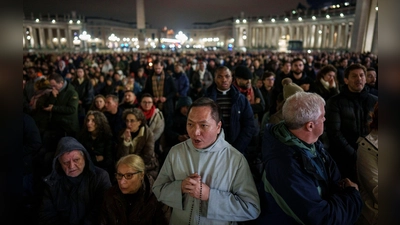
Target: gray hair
{"x":301,"y":108}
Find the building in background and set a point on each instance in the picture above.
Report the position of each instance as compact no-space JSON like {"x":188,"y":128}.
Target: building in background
{"x":345,"y":26}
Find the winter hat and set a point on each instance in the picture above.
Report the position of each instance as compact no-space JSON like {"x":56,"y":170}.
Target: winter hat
{"x":183,"y":101}
{"x":243,"y":72}
{"x":290,"y":88}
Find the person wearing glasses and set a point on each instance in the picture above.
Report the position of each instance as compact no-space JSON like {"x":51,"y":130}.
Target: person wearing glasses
{"x":155,"y":120}
{"x":131,"y":201}
{"x":138,"y":139}
{"x":75,"y":188}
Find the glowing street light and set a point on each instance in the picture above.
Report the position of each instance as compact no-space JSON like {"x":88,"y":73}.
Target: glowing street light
{"x":84,"y":37}
{"x":181,"y":37}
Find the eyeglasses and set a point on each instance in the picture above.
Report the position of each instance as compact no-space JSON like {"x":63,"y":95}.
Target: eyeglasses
{"x":147,"y":102}
{"x":131,"y":121}
{"x":127,"y":176}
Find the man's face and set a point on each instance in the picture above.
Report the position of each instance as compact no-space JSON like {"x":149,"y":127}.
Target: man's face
{"x":356,"y":80}
{"x":80,"y":73}
{"x":201,"y":66}
{"x":56,"y":85}
{"x":344,"y":63}
{"x":32,"y":74}
{"x":223,"y":80}
{"x":371,"y":78}
{"x":201,"y":127}
{"x":286,"y":67}
{"x":158,"y":69}
{"x":130,"y":97}
{"x":72,"y":163}
{"x":298,"y":67}
{"x":243,"y":83}
{"x":110,"y":104}
{"x":269,"y":82}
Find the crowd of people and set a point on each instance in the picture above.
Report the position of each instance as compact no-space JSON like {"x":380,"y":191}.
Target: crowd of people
{"x":204,"y":137}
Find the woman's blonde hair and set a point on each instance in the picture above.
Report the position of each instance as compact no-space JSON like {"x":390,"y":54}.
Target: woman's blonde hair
{"x":133,"y":161}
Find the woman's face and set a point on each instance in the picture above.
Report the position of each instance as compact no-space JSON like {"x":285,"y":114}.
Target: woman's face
{"x":146,"y":103}
{"x":132,"y":185}
{"x":329,"y":76}
{"x":90,"y":123}
{"x":132,"y":123}
{"x":99,"y":102}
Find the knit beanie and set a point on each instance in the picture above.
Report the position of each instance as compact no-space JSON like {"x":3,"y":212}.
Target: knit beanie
{"x":290,"y":88}
{"x":243,"y":72}
{"x":183,"y":101}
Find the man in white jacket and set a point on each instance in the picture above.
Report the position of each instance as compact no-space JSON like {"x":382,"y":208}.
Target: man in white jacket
{"x":204,"y":179}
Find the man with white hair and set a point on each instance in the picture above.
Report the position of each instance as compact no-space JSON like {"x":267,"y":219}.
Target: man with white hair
{"x":301,"y":181}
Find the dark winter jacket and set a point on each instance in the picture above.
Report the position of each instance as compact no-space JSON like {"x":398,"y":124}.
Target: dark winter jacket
{"x":301,"y":183}
{"x":242,"y":118}
{"x":144,"y":207}
{"x":64,"y":114}
{"x":85,"y":92}
{"x":347,"y":116}
{"x":67,"y":201}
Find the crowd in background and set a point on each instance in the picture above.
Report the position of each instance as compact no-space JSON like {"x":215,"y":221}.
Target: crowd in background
{"x":119,"y":104}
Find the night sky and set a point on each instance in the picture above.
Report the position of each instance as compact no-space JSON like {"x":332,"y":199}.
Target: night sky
{"x":175,"y":14}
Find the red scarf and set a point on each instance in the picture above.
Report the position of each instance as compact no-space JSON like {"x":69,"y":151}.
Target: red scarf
{"x":150,"y":113}
{"x":248,"y":92}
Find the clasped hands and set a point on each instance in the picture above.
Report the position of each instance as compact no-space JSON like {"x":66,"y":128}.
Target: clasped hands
{"x":193,"y":186}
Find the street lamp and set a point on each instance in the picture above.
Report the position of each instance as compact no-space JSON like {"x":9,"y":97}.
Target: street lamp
{"x":84,"y":37}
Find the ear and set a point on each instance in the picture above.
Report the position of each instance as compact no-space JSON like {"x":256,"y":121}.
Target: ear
{"x":310,"y":126}
{"x":346,"y":81}
{"x":219,"y":125}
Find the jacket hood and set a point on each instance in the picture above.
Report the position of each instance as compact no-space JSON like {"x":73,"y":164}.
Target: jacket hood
{"x":68,"y":144}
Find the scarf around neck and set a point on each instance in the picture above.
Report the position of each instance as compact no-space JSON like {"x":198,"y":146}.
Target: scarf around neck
{"x":148,"y":114}
{"x":158,"y":85}
{"x":248,"y":92}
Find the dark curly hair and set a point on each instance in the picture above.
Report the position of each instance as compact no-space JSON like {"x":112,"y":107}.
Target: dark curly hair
{"x":138,"y":114}
{"x":102,"y":127}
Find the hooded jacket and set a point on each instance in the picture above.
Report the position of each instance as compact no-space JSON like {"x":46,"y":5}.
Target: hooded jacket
{"x":301,"y":183}
{"x":70,"y":200}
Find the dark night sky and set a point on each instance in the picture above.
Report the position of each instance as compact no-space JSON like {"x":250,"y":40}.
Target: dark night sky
{"x":175,"y":14}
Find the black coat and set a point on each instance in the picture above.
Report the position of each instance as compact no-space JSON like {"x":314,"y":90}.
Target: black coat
{"x":347,"y":116}
{"x":66,"y":201}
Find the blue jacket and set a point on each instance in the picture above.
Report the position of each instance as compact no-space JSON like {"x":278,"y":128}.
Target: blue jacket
{"x":301,"y":183}
{"x":181,"y":83}
{"x":242,"y":118}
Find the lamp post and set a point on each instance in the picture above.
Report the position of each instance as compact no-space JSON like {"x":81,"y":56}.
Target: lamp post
{"x":84,"y":37}
{"x":113,"y":41}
